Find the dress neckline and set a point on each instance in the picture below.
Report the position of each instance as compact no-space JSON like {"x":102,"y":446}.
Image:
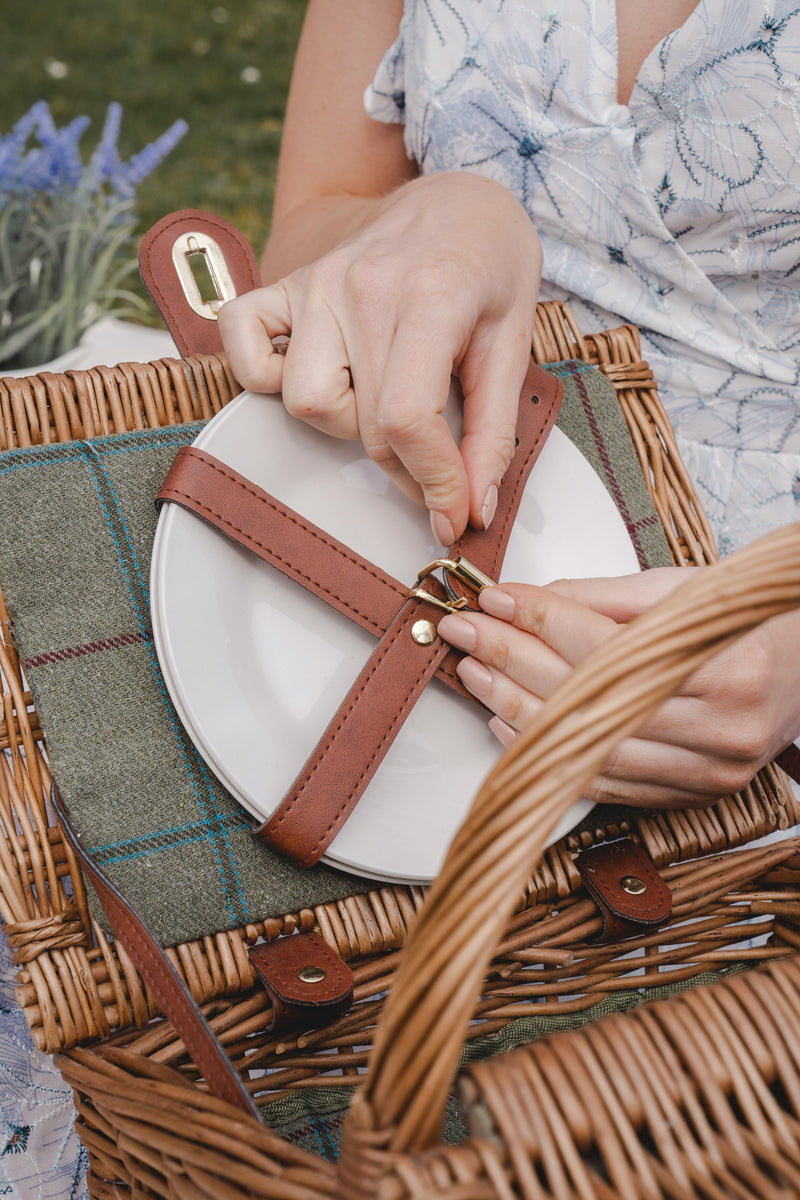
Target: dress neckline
{"x":644,"y":69}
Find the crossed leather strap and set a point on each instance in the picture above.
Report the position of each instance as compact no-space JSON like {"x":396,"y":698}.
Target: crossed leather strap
{"x":356,"y":740}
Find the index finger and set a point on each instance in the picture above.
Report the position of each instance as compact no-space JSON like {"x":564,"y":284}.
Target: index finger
{"x":409,"y":421}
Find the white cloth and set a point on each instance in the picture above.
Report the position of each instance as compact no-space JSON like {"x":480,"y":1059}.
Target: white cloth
{"x":679,"y":212}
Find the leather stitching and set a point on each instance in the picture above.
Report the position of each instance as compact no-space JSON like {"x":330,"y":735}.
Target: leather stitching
{"x":333,"y":732}
{"x":268,"y":502}
{"x":179,"y":497}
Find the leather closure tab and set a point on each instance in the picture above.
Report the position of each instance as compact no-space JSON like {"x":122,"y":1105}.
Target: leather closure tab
{"x":164,"y":256}
{"x":631,"y":895}
{"x":308,"y":983}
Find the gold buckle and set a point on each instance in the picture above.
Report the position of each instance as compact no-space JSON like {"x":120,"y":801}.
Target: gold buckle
{"x":464,"y":570}
{"x":199,"y":250}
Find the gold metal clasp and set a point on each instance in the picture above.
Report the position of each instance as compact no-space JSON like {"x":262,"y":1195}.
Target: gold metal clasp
{"x":203,"y":273}
{"x":463,"y":570}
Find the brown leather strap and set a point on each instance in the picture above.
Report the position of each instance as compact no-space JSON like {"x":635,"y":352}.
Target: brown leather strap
{"x":346,"y":758}
{"x":282,"y":537}
{"x":276,"y":533}
{"x":161,"y":977}
{"x":308,"y":983}
{"x":623,"y":882}
{"x":350,"y":751}
{"x":355,"y":742}
{"x":223,"y":248}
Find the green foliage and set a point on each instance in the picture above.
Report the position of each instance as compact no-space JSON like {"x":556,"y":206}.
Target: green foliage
{"x":66,"y":230}
{"x":61,"y":265}
{"x":225,"y":70}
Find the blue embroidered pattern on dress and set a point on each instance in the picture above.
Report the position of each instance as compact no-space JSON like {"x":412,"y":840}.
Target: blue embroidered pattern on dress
{"x":679,"y":211}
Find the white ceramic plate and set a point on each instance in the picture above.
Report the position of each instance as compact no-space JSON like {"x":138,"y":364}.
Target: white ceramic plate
{"x":257,"y":667}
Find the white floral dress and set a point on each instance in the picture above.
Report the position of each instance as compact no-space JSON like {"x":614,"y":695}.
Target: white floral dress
{"x":679,"y":211}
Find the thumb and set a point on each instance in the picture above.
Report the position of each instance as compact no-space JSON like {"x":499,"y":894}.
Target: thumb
{"x":247,"y":326}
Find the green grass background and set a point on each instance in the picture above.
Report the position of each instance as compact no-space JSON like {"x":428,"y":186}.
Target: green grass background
{"x":164,"y":59}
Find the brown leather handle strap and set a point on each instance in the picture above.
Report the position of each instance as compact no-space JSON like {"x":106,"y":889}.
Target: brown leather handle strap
{"x":173,"y":258}
{"x":346,"y":758}
{"x":161,"y":977}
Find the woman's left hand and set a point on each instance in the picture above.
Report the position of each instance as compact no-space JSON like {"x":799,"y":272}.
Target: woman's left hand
{"x":729,"y":718}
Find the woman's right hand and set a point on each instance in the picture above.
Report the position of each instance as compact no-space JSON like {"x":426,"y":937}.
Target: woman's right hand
{"x":441,"y":278}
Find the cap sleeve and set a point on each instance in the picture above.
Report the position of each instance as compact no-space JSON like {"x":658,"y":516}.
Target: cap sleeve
{"x":385,"y":98}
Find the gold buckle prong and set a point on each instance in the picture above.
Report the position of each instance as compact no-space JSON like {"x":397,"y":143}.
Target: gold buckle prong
{"x":447,"y":605}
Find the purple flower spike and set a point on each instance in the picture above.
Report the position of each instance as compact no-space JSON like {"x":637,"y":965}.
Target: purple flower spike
{"x":141,"y":165}
{"x":66,"y":230}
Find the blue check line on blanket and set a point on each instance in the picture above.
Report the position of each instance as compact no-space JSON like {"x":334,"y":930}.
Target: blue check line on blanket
{"x":167,"y":839}
{"x":140,"y":600}
{"x":214,"y":825}
{"x":126,"y":443}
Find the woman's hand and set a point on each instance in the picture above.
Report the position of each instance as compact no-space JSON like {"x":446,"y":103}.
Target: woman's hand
{"x":730,"y":717}
{"x":441,"y":279}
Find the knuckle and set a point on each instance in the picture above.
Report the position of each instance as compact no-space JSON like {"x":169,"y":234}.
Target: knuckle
{"x":368,"y":278}
{"x":317,"y":396}
{"x":307,"y":404}
{"x":743,"y":684}
{"x":534,"y":613}
{"x":743,"y":673}
{"x":371,"y":278}
{"x":255,"y":378}
{"x":402,"y":421}
{"x":602,"y":790}
{"x":501,"y":655}
{"x":730,"y":777}
{"x":382,"y":454}
{"x":745,"y":744}
{"x":426,"y":282}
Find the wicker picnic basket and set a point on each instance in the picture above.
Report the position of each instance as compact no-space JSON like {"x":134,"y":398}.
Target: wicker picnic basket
{"x":695,"y":1095}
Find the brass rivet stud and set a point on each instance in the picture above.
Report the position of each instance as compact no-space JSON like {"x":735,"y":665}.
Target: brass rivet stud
{"x":311,"y":974}
{"x":633,"y":885}
{"x":423,"y":632}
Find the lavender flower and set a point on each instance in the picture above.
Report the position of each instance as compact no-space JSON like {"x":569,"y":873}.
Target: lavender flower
{"x":66,"y":230}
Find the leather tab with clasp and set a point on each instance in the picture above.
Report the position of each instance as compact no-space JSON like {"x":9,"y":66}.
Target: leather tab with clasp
{"x":626,"y":887}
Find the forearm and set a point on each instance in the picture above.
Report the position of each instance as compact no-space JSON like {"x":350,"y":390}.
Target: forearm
{"x":336,"y":163}
{"x":311,"y":230}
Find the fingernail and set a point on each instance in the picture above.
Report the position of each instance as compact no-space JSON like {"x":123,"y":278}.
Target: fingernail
{"x":458,"y":633}
{"x":443,"y":529}
{"x":504,"y":732}
{"x":497,"y":603}
{"x":475,"y":676}
{"x":489,"y":506}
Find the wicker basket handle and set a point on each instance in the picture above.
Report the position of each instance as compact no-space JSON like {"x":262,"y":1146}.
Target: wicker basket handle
{"x":547,"y":768}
